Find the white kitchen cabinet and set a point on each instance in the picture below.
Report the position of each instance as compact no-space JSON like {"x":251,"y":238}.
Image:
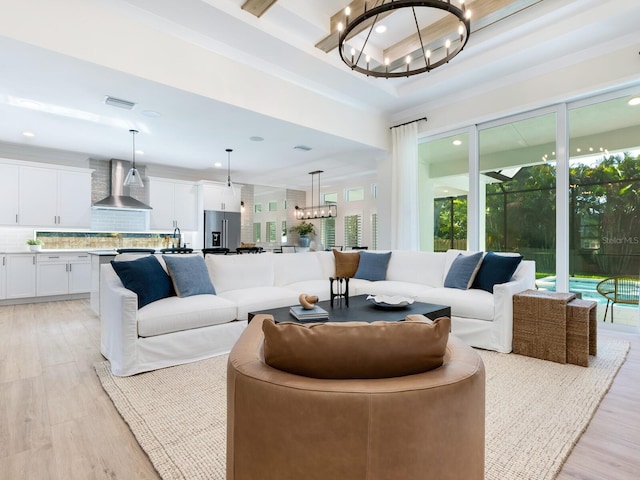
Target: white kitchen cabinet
{"x":21,"y":275}
{"x":62,"y":274}
{"x":54,"y":198}
{"x":219,"y":197}
{"x":3,"y":277}
{"x":175,"y":204}
{"x":9,"y":177}
{"x":74,"y":199}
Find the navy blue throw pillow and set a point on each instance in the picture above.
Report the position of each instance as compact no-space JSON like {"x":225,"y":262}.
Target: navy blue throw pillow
{"x":146,"y":277}
{"x":495,"y":269}
{"x":372,"y":266}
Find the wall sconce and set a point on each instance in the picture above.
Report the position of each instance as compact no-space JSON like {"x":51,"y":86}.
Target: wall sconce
{"x":242,"y":206}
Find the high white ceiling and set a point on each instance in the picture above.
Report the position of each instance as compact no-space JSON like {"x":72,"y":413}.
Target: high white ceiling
{"x":193,"y":130}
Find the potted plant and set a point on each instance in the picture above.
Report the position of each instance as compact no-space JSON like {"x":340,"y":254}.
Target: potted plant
{"x":35,"y":245}
{"x":303,"y":229}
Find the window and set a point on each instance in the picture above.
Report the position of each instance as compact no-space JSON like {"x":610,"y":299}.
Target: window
{"x":330,"y":198}
{"x":256,"y":232}
{"x":283,"y":233}
{"x":271,"y":232}
{"x":354,"y":194}
{"x":328,"y":232}
{"x":450,"y":221}
{"x":518,"y":169}
{"x":604,"y":181}
{"x":443,"y":172}
{"x":273,"y":206}
{"x":352,"y":230}
{"x":374,"y":231}
{"x":257,"y":208}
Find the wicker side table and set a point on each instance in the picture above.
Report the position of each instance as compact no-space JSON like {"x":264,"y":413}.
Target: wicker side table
{"x":582,"y":333}
{"x":539,"y":324}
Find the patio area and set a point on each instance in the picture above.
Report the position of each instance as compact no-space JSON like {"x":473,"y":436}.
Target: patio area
{"x":623,"y":315}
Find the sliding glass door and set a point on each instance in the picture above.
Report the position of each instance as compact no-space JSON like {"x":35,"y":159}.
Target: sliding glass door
{"x":518,"y":190}
{"x":604,"y":208}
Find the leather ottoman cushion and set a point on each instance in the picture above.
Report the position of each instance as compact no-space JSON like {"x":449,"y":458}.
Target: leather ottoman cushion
{"x":350,"y":350}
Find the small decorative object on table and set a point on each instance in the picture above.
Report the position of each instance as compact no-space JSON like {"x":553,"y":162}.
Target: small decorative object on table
{"x":305,"y":315}
{"x":35,"y":245}
{"x":390,"y":302}
{"x":307,"y":301}
{"x":339,"y":289}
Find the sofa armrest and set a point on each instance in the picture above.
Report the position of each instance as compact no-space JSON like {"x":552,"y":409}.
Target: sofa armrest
{"x":524,"y":279}
{"x":118,"y":321}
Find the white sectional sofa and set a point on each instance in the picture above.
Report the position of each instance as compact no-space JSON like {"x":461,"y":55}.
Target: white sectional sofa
{"x":176,"y":330}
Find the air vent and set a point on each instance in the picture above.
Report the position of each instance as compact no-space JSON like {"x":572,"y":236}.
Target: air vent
{"x":118,"y":102}
{"x":302,"y":147}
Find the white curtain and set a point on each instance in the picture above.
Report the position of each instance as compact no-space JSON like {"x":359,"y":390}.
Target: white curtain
{"x":405,"y":231}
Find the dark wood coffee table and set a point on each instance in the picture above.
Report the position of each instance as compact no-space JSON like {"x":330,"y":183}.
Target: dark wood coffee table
{"x":361,"y":310}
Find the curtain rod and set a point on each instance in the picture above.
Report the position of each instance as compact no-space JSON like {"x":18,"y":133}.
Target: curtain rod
{"x":407,"y":123}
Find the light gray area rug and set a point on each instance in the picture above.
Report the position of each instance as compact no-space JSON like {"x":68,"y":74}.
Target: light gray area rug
{"x":536,"y":412}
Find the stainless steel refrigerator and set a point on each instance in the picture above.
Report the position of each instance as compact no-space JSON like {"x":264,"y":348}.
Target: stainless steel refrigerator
{"x":221,"y":229}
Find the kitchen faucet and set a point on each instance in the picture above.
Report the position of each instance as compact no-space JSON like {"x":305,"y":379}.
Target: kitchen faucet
{"x":179,"y":236}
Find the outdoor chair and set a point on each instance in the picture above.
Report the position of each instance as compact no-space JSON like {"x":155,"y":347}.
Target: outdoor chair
{"x":621,"y":289}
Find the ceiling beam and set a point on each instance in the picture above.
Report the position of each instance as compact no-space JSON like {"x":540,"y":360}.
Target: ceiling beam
{"x":257,"y":7}
{"x":484,"y":12}
{"x":480,"y":9}
{"x":330,"y":42}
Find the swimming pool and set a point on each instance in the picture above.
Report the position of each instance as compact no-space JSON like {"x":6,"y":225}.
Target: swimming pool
{"x":586,"y":286}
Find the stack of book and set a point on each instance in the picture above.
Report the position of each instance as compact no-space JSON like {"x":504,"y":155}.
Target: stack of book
{"x":316,"y":313}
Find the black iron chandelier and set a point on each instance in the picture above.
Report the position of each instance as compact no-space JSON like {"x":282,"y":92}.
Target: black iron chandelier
{"x":428,"y":54}
{"x":322,"y":209}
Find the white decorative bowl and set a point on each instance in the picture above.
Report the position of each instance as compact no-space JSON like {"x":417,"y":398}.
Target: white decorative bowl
{"x":390,"y":301}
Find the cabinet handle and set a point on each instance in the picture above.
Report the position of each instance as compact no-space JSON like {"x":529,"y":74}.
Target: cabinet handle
{"x":69,"y":265}
{"x":33,"y":259}
{"x":16,"y":218}
{"x":54,"y":257}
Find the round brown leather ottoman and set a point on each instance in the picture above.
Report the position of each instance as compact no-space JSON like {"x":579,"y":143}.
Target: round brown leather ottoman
{"x":283,"y":426}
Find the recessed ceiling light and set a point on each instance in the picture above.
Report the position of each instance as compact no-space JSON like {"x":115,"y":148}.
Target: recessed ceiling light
{"x":634,"y":101}
{"x":28,"y":134}
{"x":256,"y":139}
{"x":140,"y":152}
{"x":381,"y":28}
{"x":217,"y":164}
{"x":457,"y":143}
{"x":151,"y":114}
{"x":302,"y":147}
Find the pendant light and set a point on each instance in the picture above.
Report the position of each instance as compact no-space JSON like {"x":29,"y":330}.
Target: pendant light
{"x":229,"y":182}
{"x":133,"y":178}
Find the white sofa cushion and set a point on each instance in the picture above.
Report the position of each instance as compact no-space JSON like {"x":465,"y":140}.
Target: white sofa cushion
{"x":297,"y":268}
{"x":387,"y":287}
{"x":320,"y":288}
{"x":174,"y":314}
{"x":424,"y":268}
{"x":261,"y":298}
{"x":472,"y":303}
{"x":233,"y":272}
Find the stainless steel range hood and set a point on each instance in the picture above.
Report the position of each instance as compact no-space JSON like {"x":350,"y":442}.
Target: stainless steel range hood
{"x":120,"y":195}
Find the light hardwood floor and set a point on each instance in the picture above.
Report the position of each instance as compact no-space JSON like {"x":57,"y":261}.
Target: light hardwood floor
{"x":56,"y":422}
